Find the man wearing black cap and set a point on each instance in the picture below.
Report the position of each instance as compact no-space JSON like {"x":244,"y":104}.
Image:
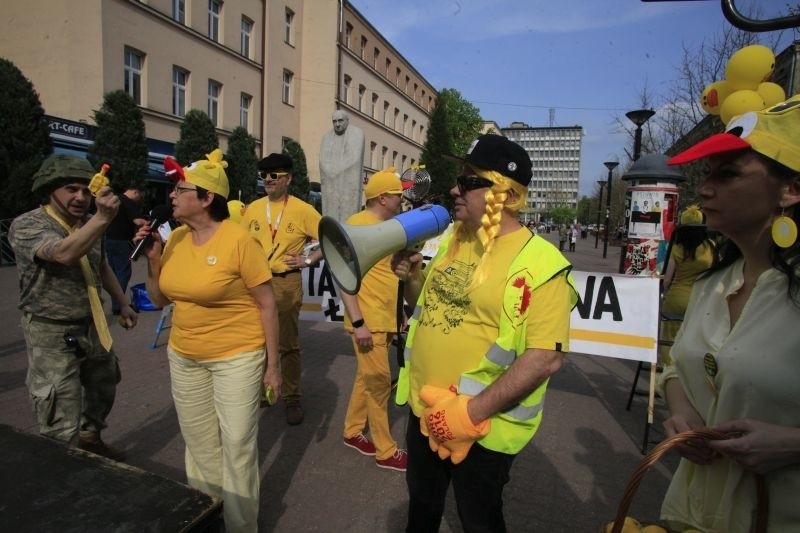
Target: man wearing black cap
{"x":491,"y":325}
{"x":72,"y":369}
{"x":283,"y":224}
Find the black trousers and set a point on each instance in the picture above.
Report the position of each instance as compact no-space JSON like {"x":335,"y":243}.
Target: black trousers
{"x":478,"y":483}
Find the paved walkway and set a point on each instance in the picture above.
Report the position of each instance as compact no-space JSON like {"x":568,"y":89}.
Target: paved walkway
{"x":569,"y":479}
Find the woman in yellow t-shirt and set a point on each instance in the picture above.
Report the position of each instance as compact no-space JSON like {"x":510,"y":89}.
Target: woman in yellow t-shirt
{"x":224,"y":322}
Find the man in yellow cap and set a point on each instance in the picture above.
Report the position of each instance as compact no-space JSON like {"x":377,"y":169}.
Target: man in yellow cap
{"x":371,"y":319}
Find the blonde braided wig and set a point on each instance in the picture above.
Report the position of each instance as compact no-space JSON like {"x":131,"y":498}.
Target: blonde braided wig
{"x":496,"y":200}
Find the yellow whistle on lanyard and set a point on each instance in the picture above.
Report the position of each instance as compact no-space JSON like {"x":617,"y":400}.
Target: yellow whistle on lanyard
{"x":99,"y":180}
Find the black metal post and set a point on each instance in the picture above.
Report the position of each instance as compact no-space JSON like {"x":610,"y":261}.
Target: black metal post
{"x":599,"y":211}
{"x":610,"y":165}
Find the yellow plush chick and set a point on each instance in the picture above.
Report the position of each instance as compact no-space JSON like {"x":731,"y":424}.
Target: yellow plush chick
{"x":99,"y":180}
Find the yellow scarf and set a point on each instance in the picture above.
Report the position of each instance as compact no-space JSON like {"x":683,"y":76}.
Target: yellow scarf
{"x":98,"y":315}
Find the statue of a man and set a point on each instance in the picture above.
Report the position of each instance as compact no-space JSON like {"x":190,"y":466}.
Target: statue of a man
{"x":341,"y":162}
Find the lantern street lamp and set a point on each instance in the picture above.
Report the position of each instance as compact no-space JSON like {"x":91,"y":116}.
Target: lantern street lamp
{"x":639,"y":117}
{"x":610,"y":165}
{"x":602,"y":184}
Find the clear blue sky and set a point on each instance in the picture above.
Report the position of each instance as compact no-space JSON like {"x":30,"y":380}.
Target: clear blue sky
{"x":587,"y":59}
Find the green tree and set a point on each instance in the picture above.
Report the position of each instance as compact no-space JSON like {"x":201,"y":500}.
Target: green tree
{"x":453,"y":125}
{"x":120,"y":141}
{"x":299,"y":186}
{"x":586,"y":210}
{"x":198,"y":137}
{"x":24,"y":140}
{"x":562,"y":214}
{"x":242,"y":168}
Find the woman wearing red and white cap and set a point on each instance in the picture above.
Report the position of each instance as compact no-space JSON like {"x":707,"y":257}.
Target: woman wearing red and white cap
{"x":735,"y":359}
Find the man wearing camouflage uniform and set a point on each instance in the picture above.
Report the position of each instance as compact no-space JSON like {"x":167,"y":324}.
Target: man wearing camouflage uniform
{"x":72,"y":369}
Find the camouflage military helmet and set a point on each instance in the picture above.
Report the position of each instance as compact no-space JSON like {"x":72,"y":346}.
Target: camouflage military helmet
{"x":62,"y":166}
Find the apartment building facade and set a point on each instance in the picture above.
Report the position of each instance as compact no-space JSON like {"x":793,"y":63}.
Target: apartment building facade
{"x":556,"y":155}
{"x":279,"y":69}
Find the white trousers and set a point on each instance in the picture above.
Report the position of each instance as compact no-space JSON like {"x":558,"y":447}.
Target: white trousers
{"x":217,"y":402}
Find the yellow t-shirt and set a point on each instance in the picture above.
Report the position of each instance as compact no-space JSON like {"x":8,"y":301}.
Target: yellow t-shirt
{"x":377,"y":297}
{"x":215,"y":316}
{"x":457,"y":328}
{"x":294,"y":222}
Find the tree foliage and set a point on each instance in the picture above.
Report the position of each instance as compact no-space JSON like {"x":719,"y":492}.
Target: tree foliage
{"x":453,"y":125}
{"x":299,"y":186}
{"x":562,"y":214}
{"x":24,"y":140}
{"x":242,"y":168}
{"x":120,"y":141}
{"x":198,"y":137}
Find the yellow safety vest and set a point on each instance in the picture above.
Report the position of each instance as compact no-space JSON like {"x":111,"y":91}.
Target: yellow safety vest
{"x":513,"y":428}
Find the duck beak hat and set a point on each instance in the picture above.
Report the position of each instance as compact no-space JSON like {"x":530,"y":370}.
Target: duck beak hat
{"x":207,"y":173}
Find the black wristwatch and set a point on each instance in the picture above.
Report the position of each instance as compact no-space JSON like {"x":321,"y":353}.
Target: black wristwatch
{"x":358,"y":323}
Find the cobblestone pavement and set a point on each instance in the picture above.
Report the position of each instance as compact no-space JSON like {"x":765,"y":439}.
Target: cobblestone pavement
{"x":569,"y":479}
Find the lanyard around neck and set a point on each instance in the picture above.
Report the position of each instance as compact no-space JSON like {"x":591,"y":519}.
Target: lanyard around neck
{"x":274,"y":230}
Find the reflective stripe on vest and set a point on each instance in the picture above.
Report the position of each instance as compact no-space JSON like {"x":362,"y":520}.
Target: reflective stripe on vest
{"x":519,"y":412}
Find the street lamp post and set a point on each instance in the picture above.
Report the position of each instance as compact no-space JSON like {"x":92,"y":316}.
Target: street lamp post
{"x":639,"y":117}
{"x":610,"y":165}
{"x":602,"y":184}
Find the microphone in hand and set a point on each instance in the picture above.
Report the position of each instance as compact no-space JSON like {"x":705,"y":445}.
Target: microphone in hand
{"x":158,"y":216}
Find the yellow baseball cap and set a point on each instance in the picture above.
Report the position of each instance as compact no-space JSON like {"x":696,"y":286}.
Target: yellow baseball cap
{"x":209,"y":174}
{"x":385,"y":181}
{"x":773,"y":132}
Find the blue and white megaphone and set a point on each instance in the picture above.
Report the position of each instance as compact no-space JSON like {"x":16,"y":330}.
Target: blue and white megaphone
{"x":350,"y":251}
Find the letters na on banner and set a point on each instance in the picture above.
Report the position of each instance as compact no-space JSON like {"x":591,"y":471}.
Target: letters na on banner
{"x":616,"y":316}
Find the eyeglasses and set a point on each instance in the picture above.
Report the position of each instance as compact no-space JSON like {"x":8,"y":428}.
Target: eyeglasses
{"x":271,"y":176}
{"x":469,"y":183}
{"x":178,"y":189}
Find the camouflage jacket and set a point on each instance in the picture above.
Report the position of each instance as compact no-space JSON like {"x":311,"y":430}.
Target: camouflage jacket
{"x":49,"y":289}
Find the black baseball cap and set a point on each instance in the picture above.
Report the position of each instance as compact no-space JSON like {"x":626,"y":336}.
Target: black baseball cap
{"x":495,"y":152}
{"x":275,"y":162}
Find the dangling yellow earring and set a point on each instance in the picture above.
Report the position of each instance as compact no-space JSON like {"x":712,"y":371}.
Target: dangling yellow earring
{"x":784,"y":231}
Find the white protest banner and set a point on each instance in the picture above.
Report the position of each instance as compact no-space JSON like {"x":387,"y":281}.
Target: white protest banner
{"x":616,"y":316}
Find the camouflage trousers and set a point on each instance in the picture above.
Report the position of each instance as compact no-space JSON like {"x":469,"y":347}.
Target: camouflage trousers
{"x":72,"y":380}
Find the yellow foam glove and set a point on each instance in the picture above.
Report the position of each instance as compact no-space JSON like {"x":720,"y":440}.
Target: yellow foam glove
{"x":99,"y":180}
{"x":447,"y":424}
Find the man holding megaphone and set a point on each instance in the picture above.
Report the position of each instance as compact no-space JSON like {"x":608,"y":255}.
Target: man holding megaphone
{"x":491,"y":325}
{"x":371,"y":320}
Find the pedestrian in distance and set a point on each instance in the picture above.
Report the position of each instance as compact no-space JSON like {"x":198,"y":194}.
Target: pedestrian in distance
{"x":119,"y":236}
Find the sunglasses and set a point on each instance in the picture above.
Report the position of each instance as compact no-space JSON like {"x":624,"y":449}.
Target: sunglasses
{"x":469,"y":183}
{"x":271,"y":176}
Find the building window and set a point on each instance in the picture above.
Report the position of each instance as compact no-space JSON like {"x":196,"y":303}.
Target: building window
{"x":415,"y":92}
{"x":413,"y":130}
{"x":214,"y":12}
{"x":286,"y":92}
{"x":180,"y":79}
{"x":373,"y":153}
{"x":385,"y":112}
{"x":363,"y":47}
{"x":214,"y":95}
{"x":395,"y":120}
{"x":244,"y":110}
{"x":405,"y":123}
{"x":388,"y":66}
{"x":376,"y":54}
{"x":403,"y":163}
{"x":247,"y":36}
{"x":179,"y":11}
{"x":348,"y":33}
{"x":288,"y":30}
{"x":384,"y":151}
{"x":134,"y":64}
{"x":361,"y":91}
{"x":397,"y":77}
{"x":374,"y":105}
{"x":346,"y":89}
{"x":394,"y":159}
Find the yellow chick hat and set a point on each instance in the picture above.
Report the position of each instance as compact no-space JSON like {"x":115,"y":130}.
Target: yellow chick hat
{"x":209,"y":174}
{"x":692,"y":216}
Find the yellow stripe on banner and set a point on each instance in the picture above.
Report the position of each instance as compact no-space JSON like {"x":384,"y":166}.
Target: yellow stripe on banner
{"x":310,"y":306}
{"x":622,"y":339}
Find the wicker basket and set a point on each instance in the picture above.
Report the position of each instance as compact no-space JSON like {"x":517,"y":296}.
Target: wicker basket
{"x":762,"y":510}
